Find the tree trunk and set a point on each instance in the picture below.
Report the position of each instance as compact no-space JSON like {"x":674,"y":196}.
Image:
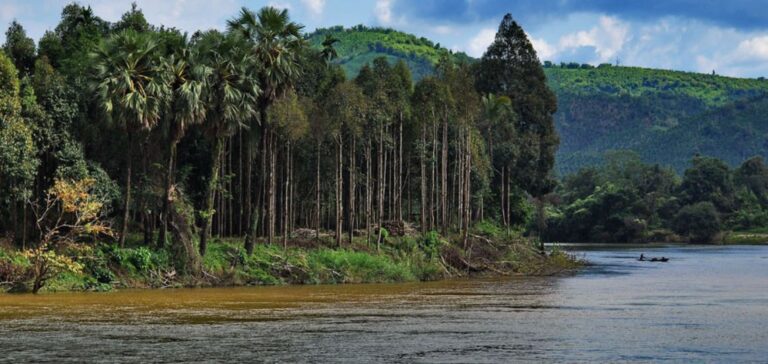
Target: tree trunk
{"x":208,"y":211}
{"x":380,"y":180}
{"x":503,"y":196}
{"x":352,"y":187}
{"x":248,"y":182}
{"x":317,"y":192}
{"x":127,"y":210}
{"x":285,"y":194}
{"x":271,"y":189}
{"x":368,"y":194}
{"x":399,"y":196}
{"x":467,"y":187}
{"x":423,"y":180}
{"x":169,"y":177}
{"x":186,"y":259}
{"x":444,"y":180}
{"x":339,"y":189}
{"x":433,"y":190}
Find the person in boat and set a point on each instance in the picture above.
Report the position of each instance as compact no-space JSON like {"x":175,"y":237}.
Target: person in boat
{"x":642,"y":257}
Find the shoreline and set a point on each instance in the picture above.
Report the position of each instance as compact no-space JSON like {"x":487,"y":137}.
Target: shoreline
{"x":403,"y":259}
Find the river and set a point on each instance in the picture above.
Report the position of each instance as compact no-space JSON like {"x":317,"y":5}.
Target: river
{"x":707,"y":303}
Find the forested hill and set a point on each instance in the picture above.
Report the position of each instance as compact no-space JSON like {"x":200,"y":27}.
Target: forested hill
{"x":360,"y":45}
{"x":665,"y":116}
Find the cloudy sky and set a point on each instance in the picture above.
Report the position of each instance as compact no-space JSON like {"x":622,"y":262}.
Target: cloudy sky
{"x":693,"y":35}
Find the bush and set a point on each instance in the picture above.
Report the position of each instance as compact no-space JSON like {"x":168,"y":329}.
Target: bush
{"x":141,"y":258}
{"x":700,"y":222}
{"x":431,"y":244}
{"x":488,"y":229}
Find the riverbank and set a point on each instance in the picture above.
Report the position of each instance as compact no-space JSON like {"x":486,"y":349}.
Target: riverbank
{"x":104,"y":267}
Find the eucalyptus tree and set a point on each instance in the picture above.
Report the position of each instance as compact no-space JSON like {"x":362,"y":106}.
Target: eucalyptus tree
{"x":187,"y":78}
{"x":427,"y":101}
{"x":400,"y":90}
{"x":132,"y":92}
{"x":466,"y":106}
{"x":373,"y":80}
{"x":345,"y":109}
{"x":229,"y":97}
{"x":20,"y":48}
{"x":498,"y":122}
{"x":511,"y":67}
{"x":276,"y":44}
{"x":291,"y":125}
{"x":18,"y":152}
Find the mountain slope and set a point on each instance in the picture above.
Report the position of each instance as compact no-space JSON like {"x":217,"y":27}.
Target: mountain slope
{"x":665,"y":116}
{"x":360,"y":45}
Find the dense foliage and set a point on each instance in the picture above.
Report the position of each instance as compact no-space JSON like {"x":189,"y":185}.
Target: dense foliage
{"x":626,"y":200}
{"x":360,"y":45}
{"x":665,"y":116}
{"x":252,"y":134}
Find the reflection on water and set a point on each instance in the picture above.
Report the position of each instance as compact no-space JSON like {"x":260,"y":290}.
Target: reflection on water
{"x":707,"y":303}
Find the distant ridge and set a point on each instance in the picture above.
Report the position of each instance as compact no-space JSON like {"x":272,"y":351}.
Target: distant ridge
{"x":665,"y":116}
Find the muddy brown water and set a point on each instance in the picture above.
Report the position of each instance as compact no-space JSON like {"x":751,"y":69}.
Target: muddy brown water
{"x":706,"y":304}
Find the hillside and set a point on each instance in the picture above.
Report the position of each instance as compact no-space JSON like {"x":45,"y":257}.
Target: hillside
{"x":360,"y":45}
{"x":665,"y":116}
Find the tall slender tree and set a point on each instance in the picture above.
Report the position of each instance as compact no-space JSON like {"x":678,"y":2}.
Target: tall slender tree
{"x":510,"y":67}
{"x":131,"y":91}
{"x":230,"y":98}
{"x":187,"y":78}
{"x":276,"y":44}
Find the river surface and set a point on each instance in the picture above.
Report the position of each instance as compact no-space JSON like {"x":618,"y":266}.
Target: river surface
{"x":707,"y":304}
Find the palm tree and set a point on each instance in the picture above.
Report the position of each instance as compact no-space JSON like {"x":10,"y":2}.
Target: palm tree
{"x":229,"y":98}
{"x":329,"y":52}
{"x":131,"y":91}
{"x":276,"y":42}
{"x":186,"y":78}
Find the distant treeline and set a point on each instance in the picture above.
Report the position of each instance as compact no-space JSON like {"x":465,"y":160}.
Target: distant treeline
{"x":626,"y":200}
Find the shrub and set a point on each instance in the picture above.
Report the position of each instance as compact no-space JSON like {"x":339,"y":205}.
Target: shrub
{"x":140,"y":258}
{"x":431,"y":244}
{"x":700,"y":222}
{"x":488,"y":228}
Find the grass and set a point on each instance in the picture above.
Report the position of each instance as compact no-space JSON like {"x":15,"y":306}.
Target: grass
{"x":399,"y":259}
{"x":757,"y":237}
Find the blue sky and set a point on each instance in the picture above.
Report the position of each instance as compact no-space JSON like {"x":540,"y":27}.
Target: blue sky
{"x":692,"y":35}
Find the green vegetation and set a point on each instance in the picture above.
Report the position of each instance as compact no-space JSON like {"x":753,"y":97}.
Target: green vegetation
{"x":136,"y":154}
{"x":664,"y":116}
{"x":103,"y":267}
{"x":627,"y":200}
{"x":360,"y":45}
{"x":712,"y":90}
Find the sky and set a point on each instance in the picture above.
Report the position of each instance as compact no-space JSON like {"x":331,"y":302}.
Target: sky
{"x":728,"y":37}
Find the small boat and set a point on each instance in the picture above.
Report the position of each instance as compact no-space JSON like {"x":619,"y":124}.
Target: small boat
{"x":654,"y":259}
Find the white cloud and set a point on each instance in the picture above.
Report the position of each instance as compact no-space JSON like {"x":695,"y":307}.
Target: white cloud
{"x":189,"y":15}
{"x":756,"y":47}
{"x":315,"y":7}
{"x":544,"y":50}
{"x":481,"y":41}
{"x":383,"y":11}
{"x":8,"y":12}
{"x":608,"y":38}
{"x":280,"y":5}
{"x":443,"y":29}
